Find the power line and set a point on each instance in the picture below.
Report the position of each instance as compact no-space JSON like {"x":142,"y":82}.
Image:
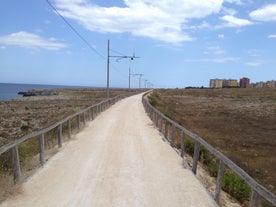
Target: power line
{"x":117,"y":52}
{"x":84,"y":40}
{"x":76,"y":32}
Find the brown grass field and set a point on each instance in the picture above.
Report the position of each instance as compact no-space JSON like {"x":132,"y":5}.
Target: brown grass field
{"x":241,"y":123}
{"x":25,"y":115}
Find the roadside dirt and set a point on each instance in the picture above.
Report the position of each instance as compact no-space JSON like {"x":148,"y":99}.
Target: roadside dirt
{"x":118,"y":160}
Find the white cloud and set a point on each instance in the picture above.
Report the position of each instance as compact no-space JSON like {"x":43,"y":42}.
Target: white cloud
{"x":163,"y":20}
{"x":215,"y":50}
{"x":238,"y":2}
{"x":271,"y":36}
{"x":225,"y":59}
{"x":253,"y":63}
{"x":254,"y":52}
{"x":221,"y":36}
{"x":232,"y":21}
{"x":267,"y":13}
{"x":202,"y":25}
{"x":29,"y":40}
{"x":229,"y":11}
{"x":216,"y":60}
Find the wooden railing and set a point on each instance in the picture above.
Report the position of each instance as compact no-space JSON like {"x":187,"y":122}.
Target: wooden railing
{"x":88,"y":113}
{"x":162,"y":122}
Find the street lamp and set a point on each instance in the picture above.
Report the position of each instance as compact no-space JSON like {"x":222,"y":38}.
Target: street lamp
{"x":108,"y":62}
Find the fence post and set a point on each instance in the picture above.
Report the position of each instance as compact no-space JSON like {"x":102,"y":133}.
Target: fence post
{"x":255,"y":199}
{"x":156,"y":119}
{"x":78,"y":122}
{"x":41,"y":149}
{"x":219,"y":179}
{"x":84,"y":121}
{"x":60,"y":135}
{"x":69,"y":128}
{"x":182,"y":144}
{"x":89,"y":114}
{"x":166,"y":129}
{"x":16,"y":164}
{"x":172,"y":135}
{"x":92,"y":113}
{"x":161,"y":124}
{"x":195,"y":157}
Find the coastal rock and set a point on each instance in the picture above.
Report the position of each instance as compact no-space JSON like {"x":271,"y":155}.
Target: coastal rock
{"x":43,"y":92}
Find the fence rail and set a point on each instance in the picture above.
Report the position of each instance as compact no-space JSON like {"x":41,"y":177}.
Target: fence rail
{"x":158,"y":119}
{"x":92,"y":111}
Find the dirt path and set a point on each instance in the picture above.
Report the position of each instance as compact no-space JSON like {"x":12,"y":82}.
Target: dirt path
{"x":118,"y":160}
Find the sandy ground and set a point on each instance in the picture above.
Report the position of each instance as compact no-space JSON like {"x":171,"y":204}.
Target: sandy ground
{"x":118,"y":160}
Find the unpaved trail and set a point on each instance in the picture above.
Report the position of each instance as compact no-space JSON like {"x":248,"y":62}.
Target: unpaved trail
{"x":118,"y":160}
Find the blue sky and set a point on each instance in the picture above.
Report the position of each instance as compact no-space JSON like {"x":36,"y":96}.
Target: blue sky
{"x":181,"y":42}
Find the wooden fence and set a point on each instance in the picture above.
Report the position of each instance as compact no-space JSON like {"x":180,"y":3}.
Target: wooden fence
{"x":88,"y":113}
{"x":162,"y":122}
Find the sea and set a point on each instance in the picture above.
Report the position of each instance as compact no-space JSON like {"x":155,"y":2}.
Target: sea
{"x":9,"y":91}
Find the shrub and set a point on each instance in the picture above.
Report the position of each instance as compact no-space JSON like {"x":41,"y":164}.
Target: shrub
{"x":24,"y":127}
{"x":236,"y":187}
{"x":154,"y":99}
{"x":189,"y":147}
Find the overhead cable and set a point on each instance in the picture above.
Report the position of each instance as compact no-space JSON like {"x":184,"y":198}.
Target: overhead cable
{"x":76,"y":32}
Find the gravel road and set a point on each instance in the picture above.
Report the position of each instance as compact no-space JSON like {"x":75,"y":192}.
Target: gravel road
{"x":118,"y":160}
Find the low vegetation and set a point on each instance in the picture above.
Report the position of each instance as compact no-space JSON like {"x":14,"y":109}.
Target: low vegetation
{"x":238,"y":122}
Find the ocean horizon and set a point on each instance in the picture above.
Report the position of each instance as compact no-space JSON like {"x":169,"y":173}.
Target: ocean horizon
{"x":9,"y":91}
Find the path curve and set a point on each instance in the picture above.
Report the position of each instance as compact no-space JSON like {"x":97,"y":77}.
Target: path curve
{"x":119,"y":160}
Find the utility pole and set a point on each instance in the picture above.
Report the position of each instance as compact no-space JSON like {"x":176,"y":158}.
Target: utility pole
{"x":129,"y":74}
{"x":140,"y":76}
{"x":108,"y":62}
{"x":149,"y":84}
{"x":107,"y":73}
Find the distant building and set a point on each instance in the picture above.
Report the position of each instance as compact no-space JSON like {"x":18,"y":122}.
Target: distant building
{"x":244,"y":83}
{"x":229,"y":83}
{"x":216,"y":83}
{"x":271,"y":84}
{"x":260,"y":84}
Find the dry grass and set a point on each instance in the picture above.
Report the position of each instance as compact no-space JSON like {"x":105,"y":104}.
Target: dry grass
{"x":239,"y":122}
{"x":22,"y":116}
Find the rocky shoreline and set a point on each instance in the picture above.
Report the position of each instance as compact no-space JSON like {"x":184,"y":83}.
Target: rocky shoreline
{"x":41,"y":92}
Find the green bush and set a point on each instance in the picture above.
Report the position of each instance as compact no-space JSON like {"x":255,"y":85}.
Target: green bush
{"x":24,"y":127}
{"x":28,"y":149}
{"x":154,"y":99}
{"x":231,"y":182}
{"x":189,"y":147}
{"x":209,"y":161}
{"x":236,"y":187}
